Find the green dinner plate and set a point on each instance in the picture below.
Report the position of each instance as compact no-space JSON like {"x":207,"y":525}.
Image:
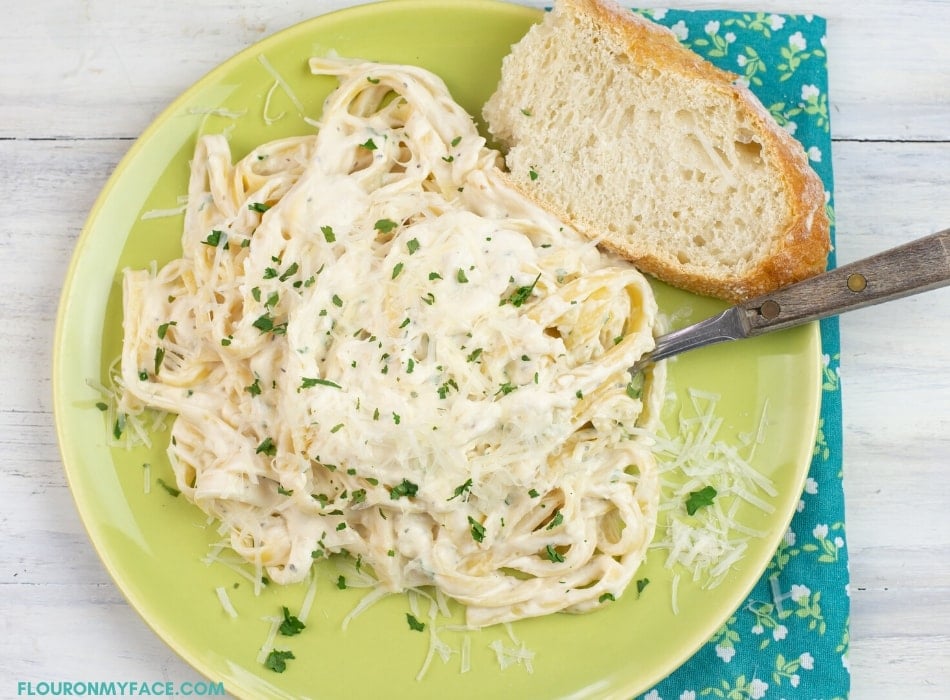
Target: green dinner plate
{"x":152,"y":543}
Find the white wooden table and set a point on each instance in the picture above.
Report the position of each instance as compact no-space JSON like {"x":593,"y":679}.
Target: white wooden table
{"x":80,"y":80}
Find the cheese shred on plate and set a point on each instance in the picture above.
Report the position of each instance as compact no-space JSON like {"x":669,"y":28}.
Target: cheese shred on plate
{"x":373,"y":344}
{"x":708,"y":542}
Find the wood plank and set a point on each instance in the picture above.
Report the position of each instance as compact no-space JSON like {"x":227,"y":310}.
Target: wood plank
{"x":101,"y":69}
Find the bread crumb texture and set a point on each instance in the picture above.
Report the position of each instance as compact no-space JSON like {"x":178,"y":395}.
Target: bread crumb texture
{"x":643,"y":145}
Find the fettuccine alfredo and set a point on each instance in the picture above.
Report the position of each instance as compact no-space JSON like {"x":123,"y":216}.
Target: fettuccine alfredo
{"x":373,"y":344}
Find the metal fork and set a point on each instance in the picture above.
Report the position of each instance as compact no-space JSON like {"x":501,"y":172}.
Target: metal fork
{"x":912,"y":268}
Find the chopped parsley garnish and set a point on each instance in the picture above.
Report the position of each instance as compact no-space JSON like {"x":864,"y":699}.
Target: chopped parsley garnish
{"x":641,"y":584}
{"x":385,"y":225}
{"x":214,"y":238}
{"x":255,"y":388}
{"x":397,"y":268}
{"x":533,"y":174}
{"x":412,"y":246}
{"x":444,"y":389}
{"x":328,"y":234}
{"x":163,"y":329}
{"x":267,"y":447}
{"x":556,"y":520}
{"x":700,"y":499}
{"x":552,"y":554}
{"x":284,"y":492}
{"x":341,"y":582}
{"x":478,"y":530}
{"x":277,"y":660}
{"x":289,"y":272}
{"x":506,"y":388}
{"x":309,"y":382}
{"x":533,"y":493}
{"x":461,"y":490}
{"x":170,"y":490}
{"x":159,"y":358}
{"x":290,"y":625}
{"x":337,"y":301}
{"x":604,"y":597}
{"x":461,"y":277}
{"x":521,"y":294}
{"x":474,"y":355}
{"x":435,"y":276}
{"x":358,"y":496}
{"x":264,"y":323}
{"x":448,"y":159}
{"x":102,"y":406}
{"x":635,"y":387}
{"x":369,"y":145}
{"x":414,"y":624}
{"x":403,"y":488}
{"x":456,"y":141}
{"x":259,"y":207}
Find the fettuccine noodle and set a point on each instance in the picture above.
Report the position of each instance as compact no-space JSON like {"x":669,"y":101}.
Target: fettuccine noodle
{"x":373,"y":344}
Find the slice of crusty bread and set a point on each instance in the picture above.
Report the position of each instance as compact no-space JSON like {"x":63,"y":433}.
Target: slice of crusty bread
{"x":612,"y":124}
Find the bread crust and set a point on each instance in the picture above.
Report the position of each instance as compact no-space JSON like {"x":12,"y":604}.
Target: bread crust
{"x":800,"y":249}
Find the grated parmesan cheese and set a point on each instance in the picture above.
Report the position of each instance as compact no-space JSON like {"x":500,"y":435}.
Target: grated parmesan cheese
{"x":225,"y":601}
{"x":712,"y":540}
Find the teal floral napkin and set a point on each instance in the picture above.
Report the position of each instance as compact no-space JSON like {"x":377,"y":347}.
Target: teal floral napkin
{"x":789,"y":639}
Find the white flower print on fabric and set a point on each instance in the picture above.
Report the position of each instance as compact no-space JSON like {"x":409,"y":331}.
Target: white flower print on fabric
{"x":798,"y":592}
{"x":680,"y":30}
{"x":776,"y":22}
{"x":711,"y":27}
{"x":725,"y":653}
{"x":809,"y":92}
{"x":807,"y":661}
{"x":758,"y":689}
{"x":797,"y":41}
{"x":814,"y":154}
{"x":811,"y":486}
